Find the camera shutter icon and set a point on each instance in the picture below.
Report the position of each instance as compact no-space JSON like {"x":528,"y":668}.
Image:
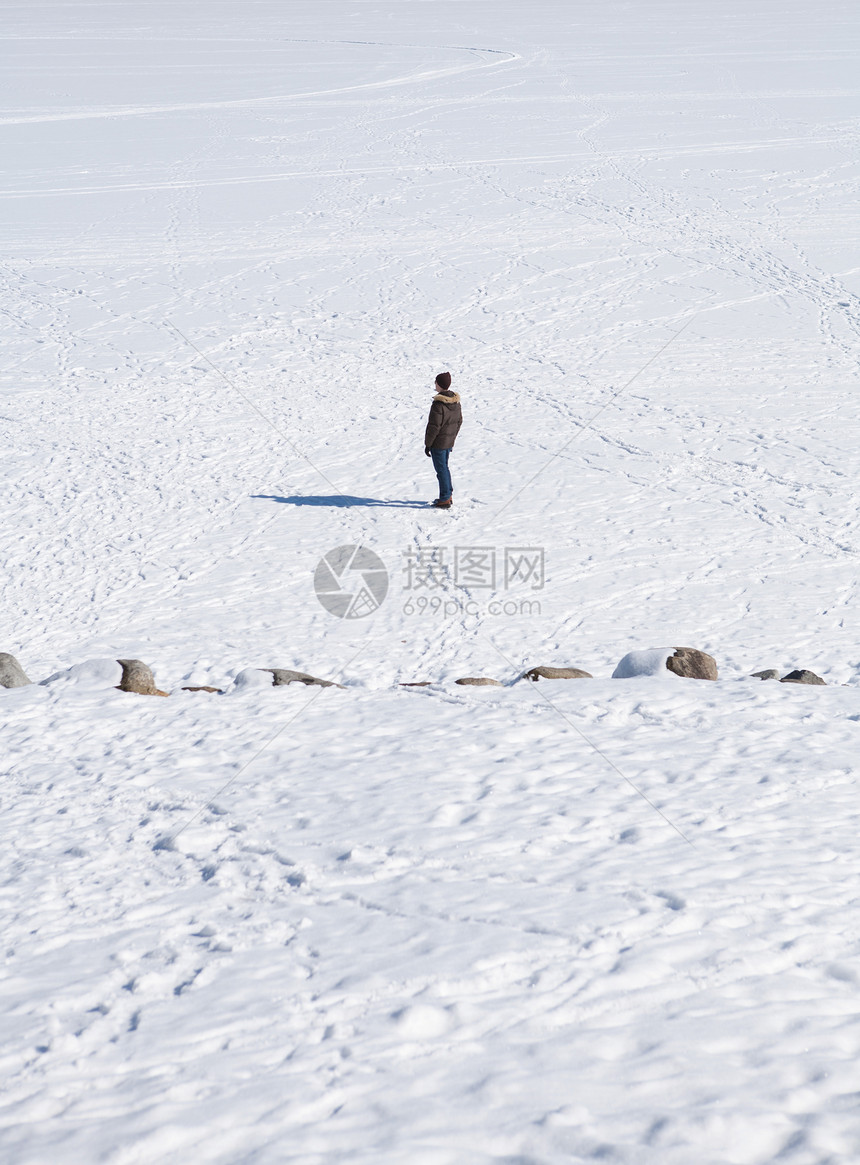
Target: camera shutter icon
{"x":351,"y":582}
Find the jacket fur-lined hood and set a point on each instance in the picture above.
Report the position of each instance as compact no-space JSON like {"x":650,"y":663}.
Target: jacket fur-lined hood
{"x":447,"y":398}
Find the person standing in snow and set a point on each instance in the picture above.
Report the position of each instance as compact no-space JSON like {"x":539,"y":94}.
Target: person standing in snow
{"x":443,"y":425}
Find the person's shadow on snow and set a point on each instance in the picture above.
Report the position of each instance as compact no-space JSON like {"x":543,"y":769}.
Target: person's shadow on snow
{"x":339,"y":500}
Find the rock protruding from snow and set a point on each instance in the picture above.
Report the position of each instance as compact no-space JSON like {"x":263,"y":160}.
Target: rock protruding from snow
{"x":137,"y":677}
{"x":802,"y":676}
{"x":11,"y":673}
{"x":204,"y":688}
{"x":691,"y":664}
{"x":480,"y":682}
{"x":769,"y":673}
{"x":283,"y":675}
{"x":556,"y":673}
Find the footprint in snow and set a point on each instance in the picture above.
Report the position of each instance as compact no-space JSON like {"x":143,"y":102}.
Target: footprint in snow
{"x":422,"y":1021}
{"x":673,"y":901}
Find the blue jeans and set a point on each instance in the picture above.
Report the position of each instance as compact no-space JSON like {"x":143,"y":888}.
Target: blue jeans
{"x":440,"y":464}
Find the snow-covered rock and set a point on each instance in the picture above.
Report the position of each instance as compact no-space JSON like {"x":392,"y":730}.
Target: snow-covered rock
{"x":686,"y":662}
{"x":92,"y":673}
{"x":284,"y":675}
{"x":253,"y":677}
{"x":278,"y":677}
{"x":651,"y":662}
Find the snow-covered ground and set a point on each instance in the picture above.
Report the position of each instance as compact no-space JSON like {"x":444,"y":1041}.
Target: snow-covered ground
{"x":606,"y":919}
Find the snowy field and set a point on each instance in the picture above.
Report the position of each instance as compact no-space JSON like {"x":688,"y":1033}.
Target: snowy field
{"x":537,"y":924}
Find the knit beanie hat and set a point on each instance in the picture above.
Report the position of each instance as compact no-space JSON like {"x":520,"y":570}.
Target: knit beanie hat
{"x":443,"y":381}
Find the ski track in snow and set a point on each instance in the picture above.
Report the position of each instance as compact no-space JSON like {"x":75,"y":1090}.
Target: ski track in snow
{"x":431,"y":925}
{"x":408,"y":79}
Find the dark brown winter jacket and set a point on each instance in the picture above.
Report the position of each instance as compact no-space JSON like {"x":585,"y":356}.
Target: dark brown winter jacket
{"x":444,"y":422}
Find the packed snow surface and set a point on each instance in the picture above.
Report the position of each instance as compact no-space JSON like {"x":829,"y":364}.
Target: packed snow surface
{"x":536,"y":924}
